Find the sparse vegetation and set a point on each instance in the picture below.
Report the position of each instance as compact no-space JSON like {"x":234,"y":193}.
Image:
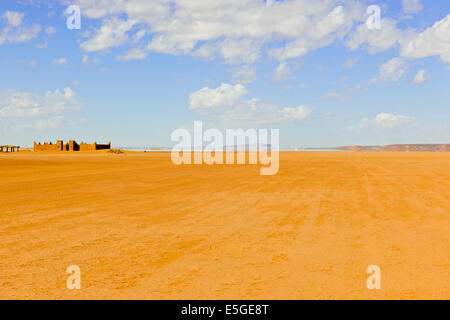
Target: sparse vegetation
{"x":116,"y":151}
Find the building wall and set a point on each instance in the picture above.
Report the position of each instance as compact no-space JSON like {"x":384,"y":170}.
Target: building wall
{"x":87,"y":147}
{"x":94,"y":146}
{"x":72,"y":145}
{"x":58,"y":146}
{"x":102,"y":146}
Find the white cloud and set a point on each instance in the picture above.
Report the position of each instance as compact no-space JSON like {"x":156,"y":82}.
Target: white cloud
{"x":377,"y":40}
{"x":295,"y":113}
{"x":15,"y":31}
{"x":392,"y":71}
{"x":282,"y":72}
{"x":86,"y":60}
{"x":245,"y":74}
{"x":411,"y":6}
{"x":234,"y":51}
{"x":434,"y":41}
{"x":237,"y":31}
{"x":60,"y":61}
{"x":228,"y":104}
{"x":112,"y":33}
{"x":16,"y":104}
{"x":246,"y":31}
{"x":224,"y":96}
{"x":322,"y":31}
{"x":384,"y":121}
{"x":388,"y":121}
{"x":13,"y":18}
{"x":139,"y":35}
{"x":420,"y":77}
{"x":133,"y":54}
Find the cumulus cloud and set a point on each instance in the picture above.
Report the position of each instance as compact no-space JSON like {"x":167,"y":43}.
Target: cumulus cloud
{"x":228,"y":104}
{"x":282,"y":72}
{"x":392,"y":71}
{"x":14,"y":30}
{"x":236,"y":31}
{"x":245,"y":74}
{"x":323,"y":31}
{"x":86,"y":60}
{"x":246,"y":31}
{"x":384,"y":121}
{"x":13,"y":18}
{"x":133,"y":54}
{"x":434,"y":41}
{"x":420,"y":77}
{"x":225,"y":95}
{"x":234,"y":51}
{"x":388,"y":121}
{"x":376,"y":40}
{"x":411,"y":6}
{"x":17,"y":104}
{"x":112,"y":33}
{"x":294,"y":113}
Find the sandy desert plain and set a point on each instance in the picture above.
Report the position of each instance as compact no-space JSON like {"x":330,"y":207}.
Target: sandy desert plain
{"x":141,"y":227}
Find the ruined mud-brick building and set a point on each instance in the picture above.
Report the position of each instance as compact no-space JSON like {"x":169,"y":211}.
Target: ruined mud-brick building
{"x":70,"y":146}
{"x":9,"y":148}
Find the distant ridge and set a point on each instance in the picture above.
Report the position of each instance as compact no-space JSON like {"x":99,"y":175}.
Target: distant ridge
{"x":395,"y":147}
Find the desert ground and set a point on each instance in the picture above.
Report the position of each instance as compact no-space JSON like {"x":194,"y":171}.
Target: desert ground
{"x":140,"y":227}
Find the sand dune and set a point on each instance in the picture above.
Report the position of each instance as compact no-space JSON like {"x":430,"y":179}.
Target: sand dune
{"x":140,"y":227}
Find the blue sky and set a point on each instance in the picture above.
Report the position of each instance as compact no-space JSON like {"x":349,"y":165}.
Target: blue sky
{"x":137,"y":70}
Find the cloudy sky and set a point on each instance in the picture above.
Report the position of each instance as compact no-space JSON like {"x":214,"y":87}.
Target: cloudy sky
{"x":323,"y":72}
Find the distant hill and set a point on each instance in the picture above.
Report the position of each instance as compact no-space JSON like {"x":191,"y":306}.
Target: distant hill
{"x":399,"y":147}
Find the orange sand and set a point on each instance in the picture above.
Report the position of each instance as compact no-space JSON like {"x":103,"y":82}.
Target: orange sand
{"x":140,"y":227}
